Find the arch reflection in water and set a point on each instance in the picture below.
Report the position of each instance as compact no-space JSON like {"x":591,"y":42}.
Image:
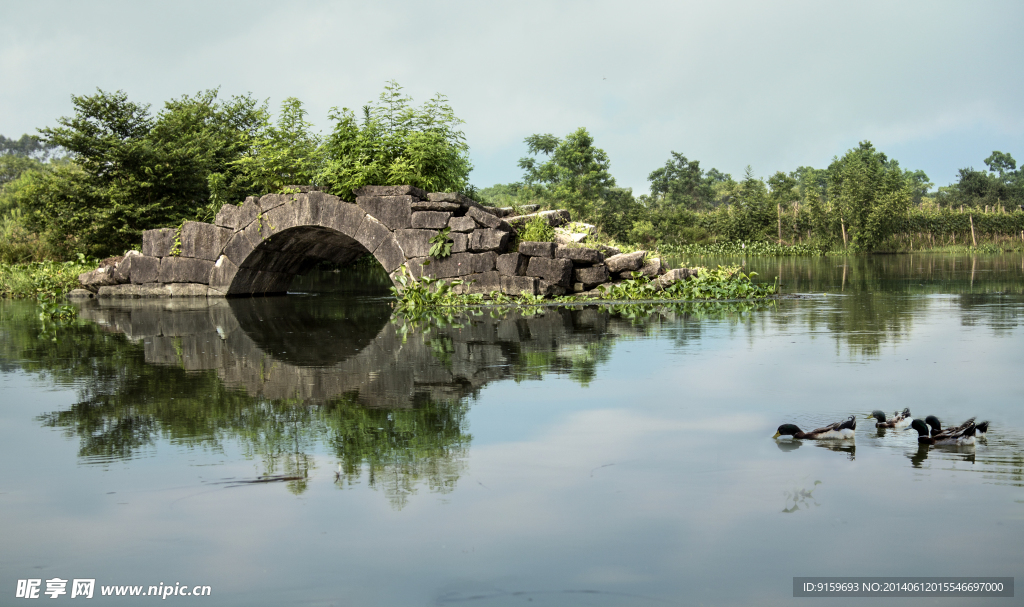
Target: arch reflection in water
{"x":286,"y":378}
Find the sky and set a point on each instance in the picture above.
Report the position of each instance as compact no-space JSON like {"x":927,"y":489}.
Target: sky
{"x":773,"y":85}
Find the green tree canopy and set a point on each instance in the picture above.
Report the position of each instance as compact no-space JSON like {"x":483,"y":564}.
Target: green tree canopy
{"x":396,"y":144}
{"x":870,"y":194}
{"x":130,"y":170}
{"x":681,"y":182}
{"x":574,"y":176}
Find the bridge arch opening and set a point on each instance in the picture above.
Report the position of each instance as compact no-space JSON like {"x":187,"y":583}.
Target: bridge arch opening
{"x":301,"y":233}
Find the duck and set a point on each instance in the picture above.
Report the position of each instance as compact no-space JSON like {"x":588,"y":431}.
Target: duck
{"x":899,"y":420}
{"x":836,"y":431}
{"x":955,"y":436}
{"x":936,"y":426}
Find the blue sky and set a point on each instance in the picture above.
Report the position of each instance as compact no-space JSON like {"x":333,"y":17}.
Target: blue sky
{"x":776,"y":85}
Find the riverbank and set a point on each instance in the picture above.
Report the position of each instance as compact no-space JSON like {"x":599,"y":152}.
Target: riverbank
{"x":896,"y":247}
{"x":48,"y":279}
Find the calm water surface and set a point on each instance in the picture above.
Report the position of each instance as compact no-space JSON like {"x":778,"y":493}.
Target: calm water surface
{"x":318,"y":450}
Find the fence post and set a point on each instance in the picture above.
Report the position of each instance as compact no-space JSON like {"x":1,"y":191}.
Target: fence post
{"x":973,"y":239}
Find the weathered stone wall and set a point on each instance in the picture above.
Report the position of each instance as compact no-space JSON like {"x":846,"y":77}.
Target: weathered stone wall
{"x":256,"y":248}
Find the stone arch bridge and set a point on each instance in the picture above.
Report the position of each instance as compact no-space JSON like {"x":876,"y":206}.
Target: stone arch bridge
{"x":258,"y":247}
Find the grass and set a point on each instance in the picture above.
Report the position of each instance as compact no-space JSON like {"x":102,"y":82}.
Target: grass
{"x":49,"y":280}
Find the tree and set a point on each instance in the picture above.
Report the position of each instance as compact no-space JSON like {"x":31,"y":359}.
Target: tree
{"x":1001,"y":163}
{"x":869,"y":193}
{"x":681,"y":182}
{"x":575,"y":174}
{"x":919,"y":184}
{"x":129,"y":171}
{"x":396,"y":144}
{"x":784,"y":189}
{"x":271,"y":156}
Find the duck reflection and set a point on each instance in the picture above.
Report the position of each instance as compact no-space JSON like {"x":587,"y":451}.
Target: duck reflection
{"x":964,"y":453}
{"x":844,"y":446}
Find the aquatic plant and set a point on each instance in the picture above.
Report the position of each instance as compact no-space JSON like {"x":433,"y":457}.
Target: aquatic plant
{"x":51,"y":279}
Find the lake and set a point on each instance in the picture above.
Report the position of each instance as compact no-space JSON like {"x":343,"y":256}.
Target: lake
{"x":317,"y":449}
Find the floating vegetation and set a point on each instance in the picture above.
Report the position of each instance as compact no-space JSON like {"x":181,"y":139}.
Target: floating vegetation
{"x":723,"y":283}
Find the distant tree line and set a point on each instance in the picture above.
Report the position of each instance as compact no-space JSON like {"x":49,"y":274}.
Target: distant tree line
{"x":114,"y":168}
{"x":861,"y":201}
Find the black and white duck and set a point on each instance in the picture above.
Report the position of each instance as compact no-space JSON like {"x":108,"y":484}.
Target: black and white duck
{"x":836,"y":431}
{"x":956,"y":436}
{"x":980,"y":430}
{"x":899,"y":420}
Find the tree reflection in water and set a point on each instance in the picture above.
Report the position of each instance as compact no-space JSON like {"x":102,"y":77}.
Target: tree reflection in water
{"x":287,"y":378}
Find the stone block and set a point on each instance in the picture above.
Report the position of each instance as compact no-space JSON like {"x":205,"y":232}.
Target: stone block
{"x":449,"y":207}
{"x":608,"y":251}
{"x":222,"y":274}
{"x":116,"y":291}
{"x":460,"y":242}
{"x":308,"y":208}
{"x":145,"y":269}
{"x":238,"y":248}
{"x":483,"y":282}
{"x":488,"y":240}
{"x":341,"y":216}
{"x":486,"y":219}
{"x":81,"y":294}
{"x":554,"y":218}
{"x":203,"y":240}
{"x":393,"y":211}
{"x":677,"y":274}
{"x":430,"y":220}
{"x":94,"y":279}
{"x":185,"y":269}
{"x":593,"y":275}
{"x":371,"y":233}
{"x":537,"y":249}
{"x":187,"y":289}
{"x":390,"y":190}
{"x":268,"y":202}
{"x":123,"y":269}
{"x":511,"y":211}
{"x":652,"y":267}
{"x":512,"y":264}
{"x":556,"y":271}
{"x":228,"y":216}
{"x":516,"y":285}
{"x":579,"y":255}
{"x":390,"y":254}
{"x":625,"y":262}
{"x":550,"y":289}
{"x":151,"y":289}
{"x":453,"y":266}
{"x":415,"y":243}
{"x":279,"y":218}
{"x":456,"y":197}
{"x":248,"y":212}
{"x":461,"y":224}
{"x":578,"y":287}
{"x":483,"y":262}
{"x":158,"y":243}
